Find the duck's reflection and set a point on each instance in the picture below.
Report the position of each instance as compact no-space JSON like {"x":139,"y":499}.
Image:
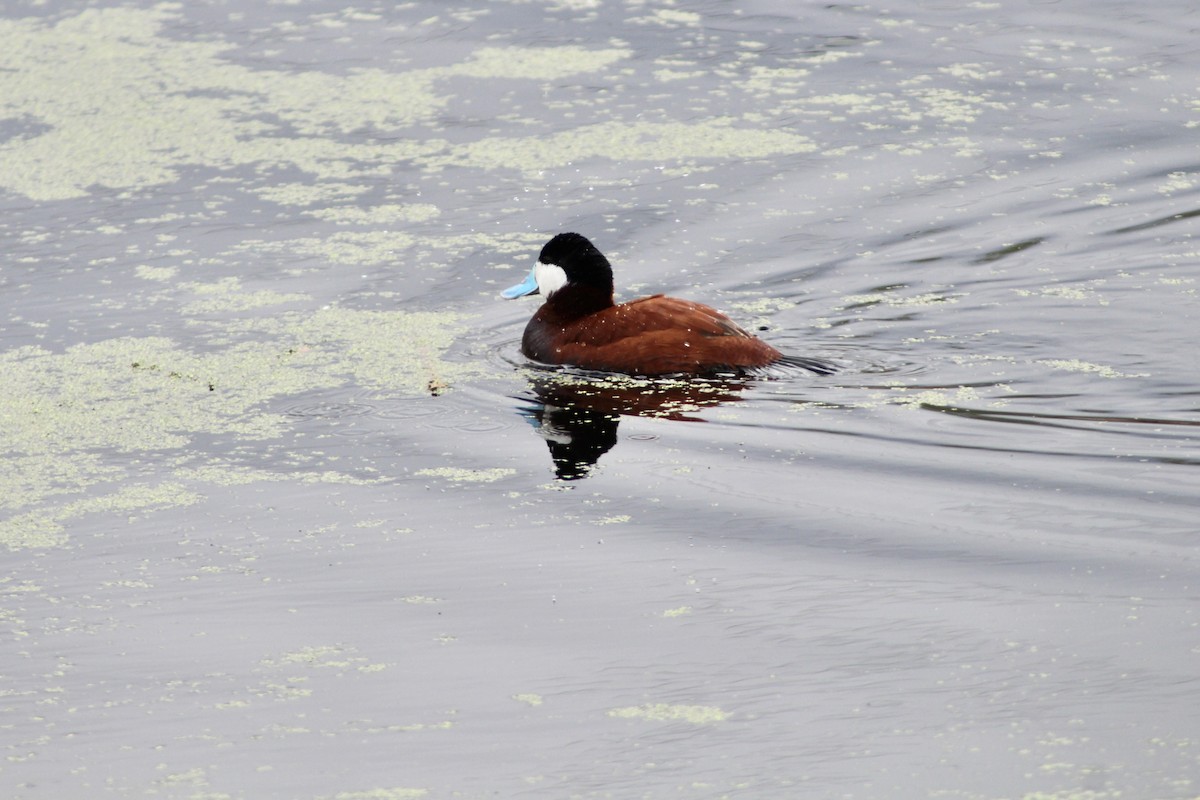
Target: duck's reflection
{"x":578,"y":413}
{"x":577,"y":437}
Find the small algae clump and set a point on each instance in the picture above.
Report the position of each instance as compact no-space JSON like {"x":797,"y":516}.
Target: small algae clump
{"x":1075,"y":365}
{"x":44,"y":527}
{"x":89,"y":79}
{"x":460,"y":475}
{"x":393,"y":793}
{"x":393,"y":350}
{"x":626,"y":141}
{"x":663,"y":712}
{"x":72,"y":418}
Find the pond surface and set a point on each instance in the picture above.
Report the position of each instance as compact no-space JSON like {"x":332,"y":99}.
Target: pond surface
{"x":287,"y":515}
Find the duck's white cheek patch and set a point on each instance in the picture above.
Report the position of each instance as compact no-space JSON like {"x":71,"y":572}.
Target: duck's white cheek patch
{"x":550,"y":278}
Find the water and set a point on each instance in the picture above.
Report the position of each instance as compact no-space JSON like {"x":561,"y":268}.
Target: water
{"x":287,"y":514}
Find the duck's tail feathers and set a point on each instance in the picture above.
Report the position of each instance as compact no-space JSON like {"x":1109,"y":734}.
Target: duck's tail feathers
{"x":817,"y":365}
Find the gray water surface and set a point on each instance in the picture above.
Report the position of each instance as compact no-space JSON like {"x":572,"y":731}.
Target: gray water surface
{"x":287,"y":515}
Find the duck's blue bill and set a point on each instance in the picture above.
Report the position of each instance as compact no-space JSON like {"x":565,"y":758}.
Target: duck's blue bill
{"x":527,"y":286}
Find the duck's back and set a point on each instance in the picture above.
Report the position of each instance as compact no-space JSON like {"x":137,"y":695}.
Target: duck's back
{"x":655,"y":335}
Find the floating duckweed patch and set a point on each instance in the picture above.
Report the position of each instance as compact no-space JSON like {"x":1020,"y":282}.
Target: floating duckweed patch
{"x":64,"y":411}
{"x":420,"y":600}
{"x":955,"y":107}
{"x":497,"y":243}
{"x":130,"y":394}
{"x":534,"y":63}
{"x":343,"y":247}
{"x":156,"y":273}
{"x":373,"y":247}
{"x":396,"y":350}
{"x":209,"y":110}
{"x":627,"y":141}
{"x":237,"y":475}
{"x":671,"y":18}
{"x":308,"y":194}
{"x":460,"y":475}
{"x":195,"y":778}
{"x":45,"y":527}
{"x":317,"y":657}
{"x":766,"y":81}
{"x":1072,"y":794}
{"x":142,"y":105}
{"x":1179,"y":182}
{"x":663,"y":712}
{"x":1065,"y":293}
{"x":616,"y":519}
{"x":529,"y":699}
{"x":960,"y":397}
{"x":388,"y":214}
{"x":393,"y":793}
{"x":764,"y":305}
{"x":227,"y":295}
{"x":39,"y":475}
{"x":1075,"y":365}
{"x":895,"y":301}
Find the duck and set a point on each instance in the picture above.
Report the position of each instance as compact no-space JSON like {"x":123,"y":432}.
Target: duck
{"x":580,"y":325}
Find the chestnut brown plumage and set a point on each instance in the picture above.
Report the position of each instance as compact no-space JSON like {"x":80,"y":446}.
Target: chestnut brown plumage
{"x":580,"y":325}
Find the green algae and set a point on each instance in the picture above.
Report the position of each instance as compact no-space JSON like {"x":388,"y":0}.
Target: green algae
{"x":45,"y":527}
{"x":386,"y":214}
{"x":308,"y":194}
{"x":1077,"y":365}
{"x":65,"y":412}
{"x":896,"y":301}
{"x":394,"y":350}
{"x":133,"y":106}
{"x":375,"y":247}
{"x":626,"y":141}
{"x":670,"y":18}
{"x":664,"y":712}
{"x":208,"y":110}
{"x":533,"y":63}
{"x":156,"y":273}
{"x":390,"y":793}
{"x":615,"y":519}
{"x":318,"y":657}
{"x":343,"y":247}
{"x":238,"y":475}
{"x":227,"y":295}
{"x":461,"y":475}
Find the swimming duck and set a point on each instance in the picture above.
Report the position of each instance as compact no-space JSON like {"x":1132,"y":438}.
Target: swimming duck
{"x":579,"y":324}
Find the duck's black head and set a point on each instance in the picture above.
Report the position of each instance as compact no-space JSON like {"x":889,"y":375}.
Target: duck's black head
{"x":581,"y":264}
{"x":568,"y":259}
